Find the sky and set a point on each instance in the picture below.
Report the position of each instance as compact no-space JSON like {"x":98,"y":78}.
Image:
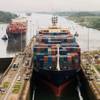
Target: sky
{"x":49,"y":5}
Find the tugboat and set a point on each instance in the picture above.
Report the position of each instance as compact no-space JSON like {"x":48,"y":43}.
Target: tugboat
{"x":17,"y":28}
{"x":56,"y":57}
{"x":4,"y":37}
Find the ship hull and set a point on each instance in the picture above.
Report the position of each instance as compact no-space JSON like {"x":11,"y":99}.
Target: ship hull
{"x":57,"y":81}
{"x":15,"y":35}
{"x":56,"y":58}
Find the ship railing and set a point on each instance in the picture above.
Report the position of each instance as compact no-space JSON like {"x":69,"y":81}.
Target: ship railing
{"x":62,"y":48}
{"x":62,"y":44}
{"x":52,"y":36}
{"x":60,"y":55}
{"x":56,"y":38}
{"x":55,"y":33}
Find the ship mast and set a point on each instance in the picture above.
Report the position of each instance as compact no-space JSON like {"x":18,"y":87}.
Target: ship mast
{"x":54,"y":20}
{"x":54,"y":24}
{"x":58,"y":65}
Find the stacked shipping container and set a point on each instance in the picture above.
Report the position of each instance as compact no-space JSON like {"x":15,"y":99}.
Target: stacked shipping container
{"x":45,"y":52}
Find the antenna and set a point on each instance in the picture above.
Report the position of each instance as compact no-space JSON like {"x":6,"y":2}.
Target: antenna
{"x":54,"y":20}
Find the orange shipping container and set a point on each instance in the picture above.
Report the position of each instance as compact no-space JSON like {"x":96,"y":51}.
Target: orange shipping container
{"x":45,"y":59}
{"x":53,"y":59}
{"x":53,"y":46}
{"x":69,"y":58}
{"x":53,"y":51}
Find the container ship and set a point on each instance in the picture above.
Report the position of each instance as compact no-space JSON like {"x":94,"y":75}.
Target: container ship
{"x":56,"y":57}
{"x":17,"y":28}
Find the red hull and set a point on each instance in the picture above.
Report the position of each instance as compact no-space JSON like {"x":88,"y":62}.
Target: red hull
{"x":57,"y":89}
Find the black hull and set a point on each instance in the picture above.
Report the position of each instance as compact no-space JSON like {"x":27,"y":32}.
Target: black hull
{"x":15,"y":35}
{"x":56,"y":80}
{"x":55,"y":77}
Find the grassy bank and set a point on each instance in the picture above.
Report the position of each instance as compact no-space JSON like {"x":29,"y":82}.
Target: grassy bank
{"x":88,"y":21}
{"x":5,"y":17}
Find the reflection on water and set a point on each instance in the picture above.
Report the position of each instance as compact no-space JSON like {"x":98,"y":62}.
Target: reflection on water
{"x":16,"y":45}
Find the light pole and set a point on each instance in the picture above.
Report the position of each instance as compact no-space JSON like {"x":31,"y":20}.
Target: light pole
{"x":21,"y":41}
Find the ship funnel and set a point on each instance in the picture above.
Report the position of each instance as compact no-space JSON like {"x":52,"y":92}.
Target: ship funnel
{"x":54,"y":20}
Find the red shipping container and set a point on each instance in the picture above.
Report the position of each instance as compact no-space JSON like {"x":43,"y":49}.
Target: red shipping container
{"x":53,"y":51}
{"x":53,"y":59}
{"x":45,"y":59}
{"x":69,"y":58}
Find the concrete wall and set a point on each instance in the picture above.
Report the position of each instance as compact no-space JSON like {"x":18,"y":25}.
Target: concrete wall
{"x":86,"y":89}
{"x":4,"y":63}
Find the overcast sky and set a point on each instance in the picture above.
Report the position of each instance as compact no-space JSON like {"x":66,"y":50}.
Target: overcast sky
{"x":50,"y":5}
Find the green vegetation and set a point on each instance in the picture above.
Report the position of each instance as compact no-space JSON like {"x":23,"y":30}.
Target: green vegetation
{"x":94,"y":54}
{"x":5,"y":17}
{"x":88,"y":21}
{"x":2,"y":94}
{"x":5,"y":84}
{"x":73,"y":13}
{"x":97,"y":66}
{"x":17,"y":87}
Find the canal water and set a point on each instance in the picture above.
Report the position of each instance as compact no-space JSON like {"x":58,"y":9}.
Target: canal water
{"x":88,"y":40}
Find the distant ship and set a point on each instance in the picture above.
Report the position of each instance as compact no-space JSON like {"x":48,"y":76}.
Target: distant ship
{"x":17,"y":28}
{"x":56,"y":57}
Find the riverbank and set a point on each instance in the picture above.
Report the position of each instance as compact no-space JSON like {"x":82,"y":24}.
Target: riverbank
{"x":88,"y":21}
{"x":94,"y":57}
{"x":5,"y":17}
